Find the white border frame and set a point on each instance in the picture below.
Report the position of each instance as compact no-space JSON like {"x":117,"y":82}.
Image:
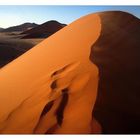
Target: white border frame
{"x":69,"y":2}
{"x":69,"y":137}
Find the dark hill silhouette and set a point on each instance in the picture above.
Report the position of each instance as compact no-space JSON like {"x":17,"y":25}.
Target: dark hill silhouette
{"x":1,"y":29}
{"x":22,"y":27}
{"x":44,"y":30}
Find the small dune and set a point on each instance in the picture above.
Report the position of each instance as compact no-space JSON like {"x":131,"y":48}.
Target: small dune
{"x":44,"y":30}
{"x":11,"y":46}
{"x":20,"y":28}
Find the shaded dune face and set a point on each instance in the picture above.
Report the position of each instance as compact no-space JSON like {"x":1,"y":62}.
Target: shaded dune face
{"x":52,"y":88}
{"x":117,"y":55}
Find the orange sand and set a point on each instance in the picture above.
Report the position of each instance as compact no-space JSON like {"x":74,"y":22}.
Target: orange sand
{"x":25,"y":84}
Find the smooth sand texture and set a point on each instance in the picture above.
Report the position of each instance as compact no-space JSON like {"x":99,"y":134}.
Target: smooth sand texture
{"x":52,"y":88}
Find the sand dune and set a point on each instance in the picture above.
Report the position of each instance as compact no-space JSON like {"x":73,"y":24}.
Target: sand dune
{"x":57,"y":70}
{"x":117,"y":53}
{"x":44,"y":30}
{"x":21,"y":28}
{"x":11,"y":46}
{"x":52,"y":88}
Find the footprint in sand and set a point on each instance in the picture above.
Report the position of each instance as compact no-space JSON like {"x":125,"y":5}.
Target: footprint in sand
{"x":60,"y":89}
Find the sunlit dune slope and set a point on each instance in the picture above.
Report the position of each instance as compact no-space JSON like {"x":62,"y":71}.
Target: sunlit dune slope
{"x":116,"y":53}
{"x":52,"y":88}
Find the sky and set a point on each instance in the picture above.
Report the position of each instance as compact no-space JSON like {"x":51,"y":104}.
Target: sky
{"x":15,"y":15}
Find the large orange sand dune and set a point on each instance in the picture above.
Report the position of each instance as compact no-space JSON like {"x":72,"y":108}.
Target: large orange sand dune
{"x":58,"y":70}
{"x":53,"y":87}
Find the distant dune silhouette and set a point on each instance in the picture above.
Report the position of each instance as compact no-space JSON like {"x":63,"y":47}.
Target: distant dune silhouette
{"x":1,"y":29}
{"x":12,"y":46}
{"x":20,"y":28}
{"x":44,"y":30}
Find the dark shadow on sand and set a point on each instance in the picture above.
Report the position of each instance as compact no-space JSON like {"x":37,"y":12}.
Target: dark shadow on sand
{"x":117,"y":56}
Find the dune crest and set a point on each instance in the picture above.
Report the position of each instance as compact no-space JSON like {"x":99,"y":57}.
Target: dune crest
{"x":52,"y":88}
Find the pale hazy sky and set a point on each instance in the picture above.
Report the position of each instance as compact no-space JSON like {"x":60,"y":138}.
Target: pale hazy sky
{"x":15,"y":15}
